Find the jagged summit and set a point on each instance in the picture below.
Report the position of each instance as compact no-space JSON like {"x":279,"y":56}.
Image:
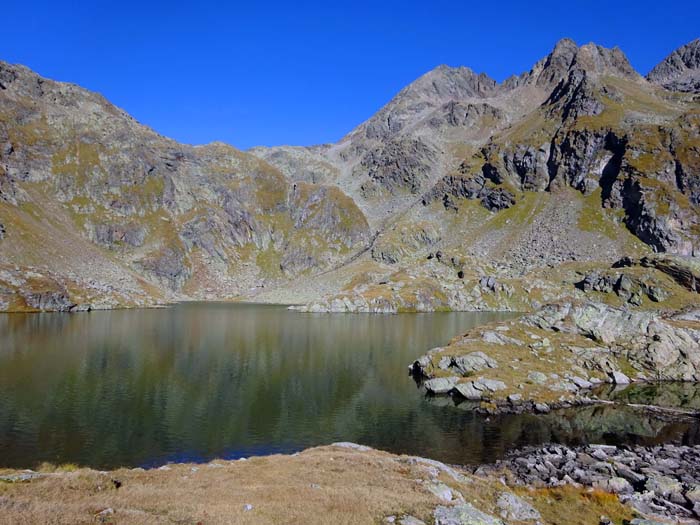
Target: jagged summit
{"x":591,"y":59}
{"x":554,"y":66}
{"x":679,"y":71}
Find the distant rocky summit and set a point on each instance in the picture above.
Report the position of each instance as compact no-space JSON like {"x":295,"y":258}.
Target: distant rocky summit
{"x":461,"y":193}
{"x":680,"y":71}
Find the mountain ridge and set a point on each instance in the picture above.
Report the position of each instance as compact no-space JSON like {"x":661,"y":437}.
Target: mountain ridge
{"x":453,"y":152}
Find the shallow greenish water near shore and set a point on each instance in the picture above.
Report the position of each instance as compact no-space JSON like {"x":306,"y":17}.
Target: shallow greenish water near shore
{"x":205,"y":380}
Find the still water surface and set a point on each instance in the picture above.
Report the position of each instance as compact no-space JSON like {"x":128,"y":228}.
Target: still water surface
{"x":197,"y":381}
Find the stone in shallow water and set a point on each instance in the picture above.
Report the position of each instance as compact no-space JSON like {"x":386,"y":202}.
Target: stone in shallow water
{"x":467,"y":391}
{"x":463,"y":514}
{"x":619,"y":378}
{"x":580,"y":382}
{"x":514,"y":508}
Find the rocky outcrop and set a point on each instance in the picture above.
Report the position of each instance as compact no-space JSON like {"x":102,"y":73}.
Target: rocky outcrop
{"x":442,"y":85}
{"x":404,"y":241}
{"x":679,"y":71}
{"x":629,"y":288}
{"x":456,"y":114}
{"x":451,"y":188}
{"x":555,"y":356}
{"x":684,"y":270}
{"x":397,"y":165}
{"x":113,"y":235}
{"x":48,"y":301}
{"x":655,"y":347}
{"x":300,"y":164}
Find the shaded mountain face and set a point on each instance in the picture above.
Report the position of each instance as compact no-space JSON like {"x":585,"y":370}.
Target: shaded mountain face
{"x":579,"y":158}
{"x":680,"y":71}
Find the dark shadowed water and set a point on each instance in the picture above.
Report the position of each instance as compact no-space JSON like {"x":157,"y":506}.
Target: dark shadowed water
{"x":144,"y":387}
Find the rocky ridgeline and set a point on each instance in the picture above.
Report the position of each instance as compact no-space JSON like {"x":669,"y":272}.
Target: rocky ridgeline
{"x":564,"y":162}
{"x":581,"y":119}
{"x":79,"y":178}
{"x":661,"y":481}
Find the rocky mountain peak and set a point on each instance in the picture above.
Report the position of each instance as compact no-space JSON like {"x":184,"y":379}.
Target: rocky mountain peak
{"x":599,"y":60}
{"x":552,"y":68}
{"x":591,"y":59}
{"x":435,"y":88}
{"x":679,"y":71}
{"x":447,"y":83}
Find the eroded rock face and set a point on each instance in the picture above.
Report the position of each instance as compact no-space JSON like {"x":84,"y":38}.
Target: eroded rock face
{"x":49,"y":301}
{"x":684,"y":270}
{"x":398,"y":165}
{"x":461,"y":114}
{"x":115,"y":234}
{"x":657,"y":347}
{"x":645,"y":171}
{"x":451,"y":188}
{"x":680,"y":71}
{"x":630,"y":288}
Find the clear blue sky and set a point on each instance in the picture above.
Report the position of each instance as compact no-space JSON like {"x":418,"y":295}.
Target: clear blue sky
{"x":300,"y":72}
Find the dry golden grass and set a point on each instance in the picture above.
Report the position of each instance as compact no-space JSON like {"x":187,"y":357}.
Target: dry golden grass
{"x":324,"y":485}
{"x":576,"y":506}
{"x":318,"y":486}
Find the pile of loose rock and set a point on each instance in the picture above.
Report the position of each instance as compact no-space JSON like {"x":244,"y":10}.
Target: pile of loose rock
{"x":662,"y":480}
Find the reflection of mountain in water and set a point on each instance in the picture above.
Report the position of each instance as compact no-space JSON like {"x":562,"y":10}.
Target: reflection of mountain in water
{"x":497,"y":435}
{"x":675,"y":395}
{"x":196,"y":381}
